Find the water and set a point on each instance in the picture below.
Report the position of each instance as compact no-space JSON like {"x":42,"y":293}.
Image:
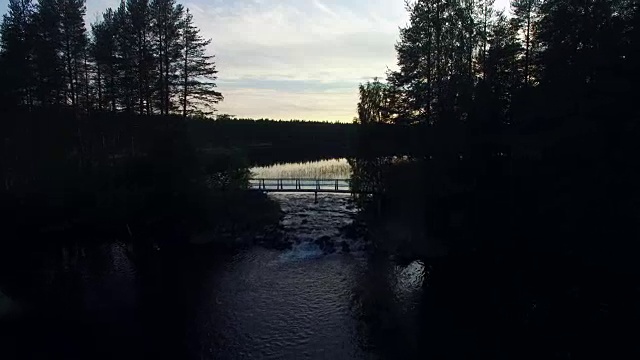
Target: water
{"x":255,"y":303}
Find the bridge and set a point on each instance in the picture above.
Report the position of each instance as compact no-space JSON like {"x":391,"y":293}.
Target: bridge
{"x":336,"y":186}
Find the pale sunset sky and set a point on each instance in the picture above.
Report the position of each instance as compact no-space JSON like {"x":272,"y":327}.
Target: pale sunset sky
{"x":293,"y":59}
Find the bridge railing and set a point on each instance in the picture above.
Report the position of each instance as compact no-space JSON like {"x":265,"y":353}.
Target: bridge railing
{"x":308,"y":185}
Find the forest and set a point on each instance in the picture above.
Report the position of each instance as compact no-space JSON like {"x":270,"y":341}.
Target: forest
{"x":530,"y":122}
{"x":527,"y":171}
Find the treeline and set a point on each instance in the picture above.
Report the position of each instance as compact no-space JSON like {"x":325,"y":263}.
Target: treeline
{"x":463,"y":65}
{"x":529,"y":123}
{"x":145,"y":57}
{"x":267,"y":141}
{"x":468,"y":70}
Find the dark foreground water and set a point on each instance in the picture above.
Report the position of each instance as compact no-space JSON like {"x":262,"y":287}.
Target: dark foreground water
{"x":95,"y":302}
{"x":104,"y":302}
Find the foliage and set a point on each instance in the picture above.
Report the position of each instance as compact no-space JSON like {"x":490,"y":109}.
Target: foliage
{"x":125,"y":171}
{"x":144,"y":57}
{"x":372,"y":107}
{"x":529,"y":119}
{"x":198,"y":73}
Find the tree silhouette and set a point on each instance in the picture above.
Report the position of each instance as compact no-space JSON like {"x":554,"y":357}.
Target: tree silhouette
{"x":144,"y":57}
{"x":16,"y":42}
{"x":198,"y":73}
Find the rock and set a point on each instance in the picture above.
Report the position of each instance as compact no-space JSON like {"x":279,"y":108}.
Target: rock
{"x":350,"y":231}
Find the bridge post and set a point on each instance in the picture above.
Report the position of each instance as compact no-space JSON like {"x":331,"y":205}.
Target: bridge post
{"x":315,"y":200}
{"x":336,"y":184}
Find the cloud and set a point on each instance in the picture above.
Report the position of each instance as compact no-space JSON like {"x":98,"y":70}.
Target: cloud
{"x":277,"y":103}
{"x":324,"y":8}
{"x":288,"y":48}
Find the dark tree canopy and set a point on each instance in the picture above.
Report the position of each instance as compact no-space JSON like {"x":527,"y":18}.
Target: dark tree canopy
{"x":144,"y":57}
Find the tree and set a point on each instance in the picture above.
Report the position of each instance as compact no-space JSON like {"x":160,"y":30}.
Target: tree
{"x":48,"y":64}
{"x":502,"y":74}
{"x":126,"y":59}
{"x":144,"y":57}
{"x":524,"y":14}
{"x":16,"y":51}
{"x":435,"y":72}
{"x":198,"y":73}
{"x":103,"y":52}
{"x":167,"y":47}
{"x":373,"y":104}
{"x":139,"y":13}
{"x":73,"y":46}
{"x":485,"y":14}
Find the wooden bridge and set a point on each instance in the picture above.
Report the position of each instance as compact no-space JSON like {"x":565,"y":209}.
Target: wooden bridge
{"x":336,"y":186}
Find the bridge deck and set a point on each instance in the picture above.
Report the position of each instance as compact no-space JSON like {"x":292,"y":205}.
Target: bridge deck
{"x":339,"y":186}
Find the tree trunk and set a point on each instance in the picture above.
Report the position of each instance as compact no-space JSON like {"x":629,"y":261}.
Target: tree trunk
{"x":161,"y":78}
{"x":527,"y":46}
{"x":186,"y":78}
{"x":86,"y":83}
{"x":99,"y":85}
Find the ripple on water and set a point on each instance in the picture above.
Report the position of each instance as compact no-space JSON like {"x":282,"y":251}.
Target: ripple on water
{"x":305,"y":250}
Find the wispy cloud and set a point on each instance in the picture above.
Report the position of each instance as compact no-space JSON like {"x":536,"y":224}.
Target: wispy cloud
{"x":324,"y":8}
{"x":333,"y":43}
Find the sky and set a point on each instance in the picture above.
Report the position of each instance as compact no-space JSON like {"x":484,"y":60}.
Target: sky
{"x":293,"y":59}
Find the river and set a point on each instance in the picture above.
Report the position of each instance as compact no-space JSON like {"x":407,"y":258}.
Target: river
{"x":253,"y":303}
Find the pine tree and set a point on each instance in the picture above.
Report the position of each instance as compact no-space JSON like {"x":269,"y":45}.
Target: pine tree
{"x":139,"y":14}
{"x":166,"y":27}
{"x":103,"y":53}
{"x":501,"y":69}
{"x":198,"y":73}
{"x":433,"y":56}
{"x":16,"y":51}
{"x":48,"y":65}
{"x":485,"y":16}
{"x":525,"y":16}
{"x":126,"y":59}
{"x":73,"y":47}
